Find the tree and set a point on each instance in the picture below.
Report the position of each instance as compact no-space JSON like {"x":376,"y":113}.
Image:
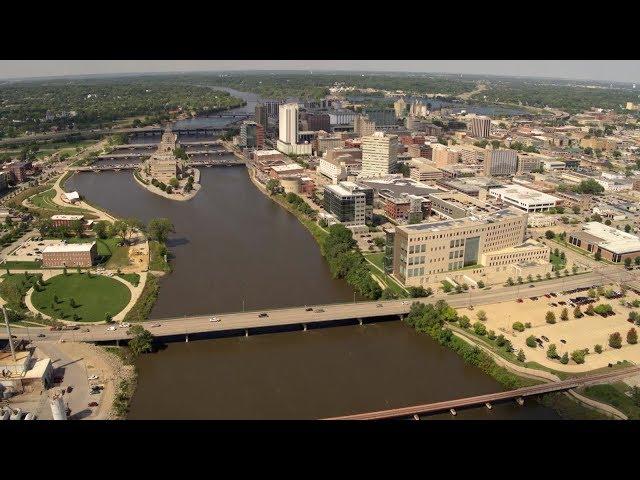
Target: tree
{"x":597,"y":256}
{"x":142,"y":340}
{"x":550,"y":317}
{"x":273,"y":186}
{"x":627,"y":228}
{"x":531,"y":341}
{"x":520,"y":280}
{"x":635,"y":395}
{"x":481,"y":315}
{"x":637,"y":260}
{"x":72,"y":303}
{"x":323,"y":223}
{"x":169,"y":189}
{"x":510,"y":281}
{"x":174,"y":182}
{"x":464,"y":321}
{"x":597,"y":348}
{"x":388,"y":294}
{"x":565,"y":358}
{"x":479,"y":328}
{"x":491,"y":335}
{"x":577,"y":313}
{"x":590,"y":310}
{"x":101,"y":229}
{"x":518,"y":326}
{"x":77,"y":226}
{"x":108,"y":317}
{"x":632,"y":336}
{"x":578,"y":356}
{"x":481,"y":283}
{"x":159,"y":229}
{"x":118,"y":229}
{"x":615,"y":340}
{"x":627,"y":262}
{"x":549,"y":234}
{"x":552,"y":352}
{"x":564,"y":315}
{"x":521,"y":356}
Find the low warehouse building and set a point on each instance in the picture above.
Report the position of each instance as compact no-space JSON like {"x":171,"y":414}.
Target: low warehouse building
{"x":612,"y":244}
{"x":70,"y":255}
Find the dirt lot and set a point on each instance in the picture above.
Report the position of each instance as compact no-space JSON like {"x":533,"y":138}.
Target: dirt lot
{"x":578,"y":333}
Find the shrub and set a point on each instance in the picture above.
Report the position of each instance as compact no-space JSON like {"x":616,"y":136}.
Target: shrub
{"x":615,"y":340}
{"x":531,"y":342}
{"x":481,"y":315}
{"x":500,"y":340}
{"x":527,"y":325}
{"x":479,"y":328}
{"x":564,"y":315}
{"x":578,"y":356}
{"x":597,"y":348}
{"x":491,"y":335}
{"x":577,"y":313}
{"x":552,"y":352}
{"x":521,"y":356}
{"x":589,"y":311}
{"x":603,"y":309}
{"x":464,"y":321}
{"x":564,"y":359}
{"x":550,"y":317}
{"x":632,"y":336}
{"x":518,"y":326}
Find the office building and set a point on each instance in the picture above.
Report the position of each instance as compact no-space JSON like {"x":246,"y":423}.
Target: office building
{"x":65,"y":220}
{"x":443,"y":155}
{"x":425,"y":251}
{"x":363,"y":126}
{"x":262,"y":116}
{"x":349,"y":203}
{"x":400,"y":107}
{"x":381,"y":116}
{"x":480,"y":126}
{"x":500,"y":162}
{"x":251,"y":135}
{"x":379,"y":154}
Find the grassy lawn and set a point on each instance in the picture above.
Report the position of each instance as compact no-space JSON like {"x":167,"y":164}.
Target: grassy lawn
{"x":375,"y":267}
{"x":44,"y":201}
{"x":94,"y":297}
{"x":14,"y":287}
{"x":376,"y":259}
{"x":614,"y":395}
{"x":156,"y":260}
{"x":558,"y":262}
{"x":132,"y":278}
{"x":113,"y":256}
{"x":22,"y":265}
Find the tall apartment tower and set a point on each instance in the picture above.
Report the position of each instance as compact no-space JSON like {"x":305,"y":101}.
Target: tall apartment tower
{"x":379,"y":154}
{"x":500,"y":162}
{"x":261,"y":115}
{"x":288,"y":123}
{"x":480,"y":127}
{"x":363,"y":127}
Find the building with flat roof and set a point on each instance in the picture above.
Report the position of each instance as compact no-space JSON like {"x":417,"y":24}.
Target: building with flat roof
{"x":70,"y":255}
{"x":525,"y":198}
{"x":349,"y":203}
{"x":425,"y":251}
{"x":65,"y":220}
{"x":422,"y":170}
{"x":612,"y":244}
{"x":458,"y":205}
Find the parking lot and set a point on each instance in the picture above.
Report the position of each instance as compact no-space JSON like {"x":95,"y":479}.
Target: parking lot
{"x":31,"y":250}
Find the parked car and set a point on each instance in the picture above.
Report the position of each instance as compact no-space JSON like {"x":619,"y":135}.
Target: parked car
{"x":544,"y":338}
{"x":262,"y":315}
{"x":308,"y":309}
{"x":112,"y":328}
{"x":41,"y":335}
{"x":319,"y":310}
{"x":155,"y":325}
{"x":562,"y":340}
{"x":125,"y":325}
{"x":519,"y":300}
{"x":93,"y":404}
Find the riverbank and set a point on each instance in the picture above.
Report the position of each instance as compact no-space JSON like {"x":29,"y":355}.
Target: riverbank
{"x":180,"y":196}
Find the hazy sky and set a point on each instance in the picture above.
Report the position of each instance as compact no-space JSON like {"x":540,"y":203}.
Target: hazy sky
{"x":616,"y":70}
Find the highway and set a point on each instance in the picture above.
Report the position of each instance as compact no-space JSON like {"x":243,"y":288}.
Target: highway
{"x":493,"y":397}
{"x":240,"y":321}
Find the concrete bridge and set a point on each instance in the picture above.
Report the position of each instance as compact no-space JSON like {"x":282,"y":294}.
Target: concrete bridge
{"x":245,"y":323}
{"x":101,"y":168}
{"x":518,"y":394}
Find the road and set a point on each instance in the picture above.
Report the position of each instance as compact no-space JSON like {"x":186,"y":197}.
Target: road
{"x":298,"y":315}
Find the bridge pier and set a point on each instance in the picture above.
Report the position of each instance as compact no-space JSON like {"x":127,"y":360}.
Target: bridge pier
{"x":453,"y":412}
{"x":186,"y":338}
{"x":520,"y":401}
{"x":304,"y":326}
{"x":416,"y":417}
{"x":360,"y":322}
{"x":246,"y":332}
{"x":488,"y":405}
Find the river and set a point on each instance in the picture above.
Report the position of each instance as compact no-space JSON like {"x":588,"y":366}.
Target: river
{"x":235,"y":246}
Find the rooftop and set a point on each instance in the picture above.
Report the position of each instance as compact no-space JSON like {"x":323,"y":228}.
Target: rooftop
{"x":521,"y":194}
{"x":612,"y":239}
{"x":69,"y":247}
{"x":67,"y":217}
{"x":473,"y":220}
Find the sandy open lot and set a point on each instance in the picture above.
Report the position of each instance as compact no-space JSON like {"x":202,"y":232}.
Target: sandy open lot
{"x":578,"y":333}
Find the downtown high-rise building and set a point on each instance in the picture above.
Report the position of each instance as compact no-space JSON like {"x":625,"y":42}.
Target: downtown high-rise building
{"x":379,"y":154}
{"x":363,"y":126}
{"x":500,"y":162}
{"x":261,"y":115}
{"x":288,"y":123}
{"x":480,"y":127}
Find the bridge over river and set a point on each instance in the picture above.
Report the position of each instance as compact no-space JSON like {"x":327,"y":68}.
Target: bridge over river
{"x":245,"y":323}
{"x":519,"y":394}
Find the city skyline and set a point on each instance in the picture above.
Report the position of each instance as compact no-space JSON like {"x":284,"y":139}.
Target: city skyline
{"x":581,"y":70}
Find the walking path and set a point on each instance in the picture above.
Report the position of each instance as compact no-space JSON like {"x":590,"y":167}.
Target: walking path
{"x":58,"y":200}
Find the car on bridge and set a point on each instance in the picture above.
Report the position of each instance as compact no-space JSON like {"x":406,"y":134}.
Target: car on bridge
{"x":263,"y":315}
{"x":214,"y":319}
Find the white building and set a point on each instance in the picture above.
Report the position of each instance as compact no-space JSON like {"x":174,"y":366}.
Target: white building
{"x":379,"y":154}
{"x":524,"y":198}
{"x":288,"y":131}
